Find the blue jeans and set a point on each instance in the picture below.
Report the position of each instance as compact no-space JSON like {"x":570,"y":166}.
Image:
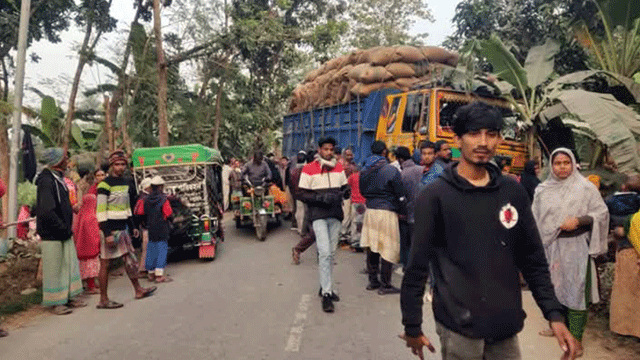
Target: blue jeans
{"x":327,"y":235}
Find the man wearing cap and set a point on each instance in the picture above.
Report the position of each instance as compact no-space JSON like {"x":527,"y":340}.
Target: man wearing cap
{"x":115,"y":217}
{"x":156,"y":210}
{"x":476,"y":230}
{"x":323,"y":185}
{"x":54,"y":215}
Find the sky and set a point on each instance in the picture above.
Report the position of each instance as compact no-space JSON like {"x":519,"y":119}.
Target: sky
{"x":53,"y":74}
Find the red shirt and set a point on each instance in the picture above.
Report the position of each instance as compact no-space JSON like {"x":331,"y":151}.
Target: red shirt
{"x":354,"y":183}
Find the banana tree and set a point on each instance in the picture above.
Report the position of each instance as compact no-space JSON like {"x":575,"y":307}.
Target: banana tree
{"x":526,"y":94}
{"x":618,"y":50}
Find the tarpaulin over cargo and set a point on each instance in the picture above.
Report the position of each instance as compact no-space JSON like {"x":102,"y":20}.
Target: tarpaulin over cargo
{"x":614,"y":123}
{"x":175,"y":155}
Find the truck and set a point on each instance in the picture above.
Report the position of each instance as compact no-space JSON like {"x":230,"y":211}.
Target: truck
{"x":399,"y":118}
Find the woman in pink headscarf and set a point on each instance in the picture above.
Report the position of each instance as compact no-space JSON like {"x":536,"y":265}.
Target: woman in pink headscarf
{"x":86,"y":234}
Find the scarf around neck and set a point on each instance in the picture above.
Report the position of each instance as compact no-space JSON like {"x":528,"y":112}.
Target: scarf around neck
{"x":327,"y":164}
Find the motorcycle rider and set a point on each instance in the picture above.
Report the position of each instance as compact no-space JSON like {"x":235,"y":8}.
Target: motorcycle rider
{"x":257,"y":170}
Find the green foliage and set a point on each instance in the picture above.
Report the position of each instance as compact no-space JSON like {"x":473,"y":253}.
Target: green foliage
{"x":27,"y":194}
{"x":386,"y":22}
{"x":523,"y":24}
{"x":48,"y":19}
{"x":615,"y":40}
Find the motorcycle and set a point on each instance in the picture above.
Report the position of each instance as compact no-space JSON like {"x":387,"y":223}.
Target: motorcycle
{"x":257,"y":208}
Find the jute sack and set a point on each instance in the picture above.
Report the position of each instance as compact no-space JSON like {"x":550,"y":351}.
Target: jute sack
{"x":375,"y":74}
{"x":440,"y":55}
{"x":365,"y":89}
{"x":408,"y":54}
{"x":407,"y":82}
{"x":365,"y":56}
{"x":383,"y":56}
{"x":401,"y":70}
{"x":352,"y":57}
{"x":312,"y":75}
{"x":356,"y":72}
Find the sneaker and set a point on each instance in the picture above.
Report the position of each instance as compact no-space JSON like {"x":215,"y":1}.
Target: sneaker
{"x":327,"y":304}
{"x":399,"y":271}
{"x":387,"y":290}
{"x":334,"y":296}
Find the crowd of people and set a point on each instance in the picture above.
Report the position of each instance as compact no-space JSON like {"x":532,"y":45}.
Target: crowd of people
{"x":463,"y":234}
{"x":467,"y":234}
{"x":87,"y":220}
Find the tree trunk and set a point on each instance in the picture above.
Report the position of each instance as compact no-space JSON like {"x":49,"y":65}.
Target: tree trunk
{"x":5,"y":161}
{"x":108,"y":124}
{"x":118,"y":95}
{"x":216,"y":125}
{"x":163,"y":124}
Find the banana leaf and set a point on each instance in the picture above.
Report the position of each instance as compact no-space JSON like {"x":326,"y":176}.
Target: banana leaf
{"x":505,"y":65}
{"x":540,"y":61}
{"x":608,"y":119}
{"x":619,"y":12}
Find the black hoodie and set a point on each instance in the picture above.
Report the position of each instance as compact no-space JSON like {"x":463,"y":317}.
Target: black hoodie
{"x":54,"y":214}
{"x":476,"y":239}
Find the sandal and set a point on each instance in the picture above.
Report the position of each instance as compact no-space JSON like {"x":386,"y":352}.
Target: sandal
{"x":547,"y":333}
{"x":61,"y":310}
{"x":109,"y":305}
{"x":75,"y":303}
{"x":163,"y":279}
{"x":3,"y":333}
{"x":147,"y":292}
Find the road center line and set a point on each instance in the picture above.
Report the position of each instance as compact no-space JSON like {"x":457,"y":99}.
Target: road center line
{"x":295,"y":334}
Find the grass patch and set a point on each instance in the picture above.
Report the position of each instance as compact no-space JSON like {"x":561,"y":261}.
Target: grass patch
{"x":22,"y":304}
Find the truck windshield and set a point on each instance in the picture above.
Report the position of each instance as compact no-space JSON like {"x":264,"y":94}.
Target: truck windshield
{"x":412,"y":112}
{"x":510,"y":129}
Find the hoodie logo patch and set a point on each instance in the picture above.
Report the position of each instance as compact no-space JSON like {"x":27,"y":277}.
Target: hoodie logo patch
{"x":508,"y":216}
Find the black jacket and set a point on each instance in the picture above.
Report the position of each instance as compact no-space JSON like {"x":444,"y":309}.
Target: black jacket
{"x":381,"y":185}
{"x":159,"y":227}
{"x":476,"y":239}
{"x":54,"y":214}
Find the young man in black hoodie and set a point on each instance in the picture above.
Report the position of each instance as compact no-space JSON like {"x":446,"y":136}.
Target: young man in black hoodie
{"x":476,"y":229}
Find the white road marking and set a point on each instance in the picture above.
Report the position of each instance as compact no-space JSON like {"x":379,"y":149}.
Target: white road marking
{"x":295,"y":334}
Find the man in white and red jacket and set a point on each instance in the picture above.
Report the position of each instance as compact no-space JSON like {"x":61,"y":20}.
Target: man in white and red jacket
{"x":323,"y":186}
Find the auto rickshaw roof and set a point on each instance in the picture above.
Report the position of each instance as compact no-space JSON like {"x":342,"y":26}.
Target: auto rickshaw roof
{"x":176,"y":155}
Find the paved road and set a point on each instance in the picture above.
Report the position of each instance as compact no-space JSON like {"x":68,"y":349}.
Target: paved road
{"x":250,"y":303}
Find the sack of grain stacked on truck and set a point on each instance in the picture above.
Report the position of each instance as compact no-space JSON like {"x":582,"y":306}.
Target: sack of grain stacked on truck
{"x":358,"y":73}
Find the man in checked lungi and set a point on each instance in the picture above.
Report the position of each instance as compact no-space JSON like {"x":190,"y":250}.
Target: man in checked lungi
{"x":116,"y":196}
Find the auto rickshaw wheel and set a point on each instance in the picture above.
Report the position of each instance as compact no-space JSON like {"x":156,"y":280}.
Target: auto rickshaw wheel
{"x":261,"y":227}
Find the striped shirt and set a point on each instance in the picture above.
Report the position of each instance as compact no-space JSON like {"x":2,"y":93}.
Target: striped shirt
{"x":116,"y":198}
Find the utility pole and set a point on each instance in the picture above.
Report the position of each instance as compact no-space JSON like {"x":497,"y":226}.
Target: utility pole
{"x":25,"y":11}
